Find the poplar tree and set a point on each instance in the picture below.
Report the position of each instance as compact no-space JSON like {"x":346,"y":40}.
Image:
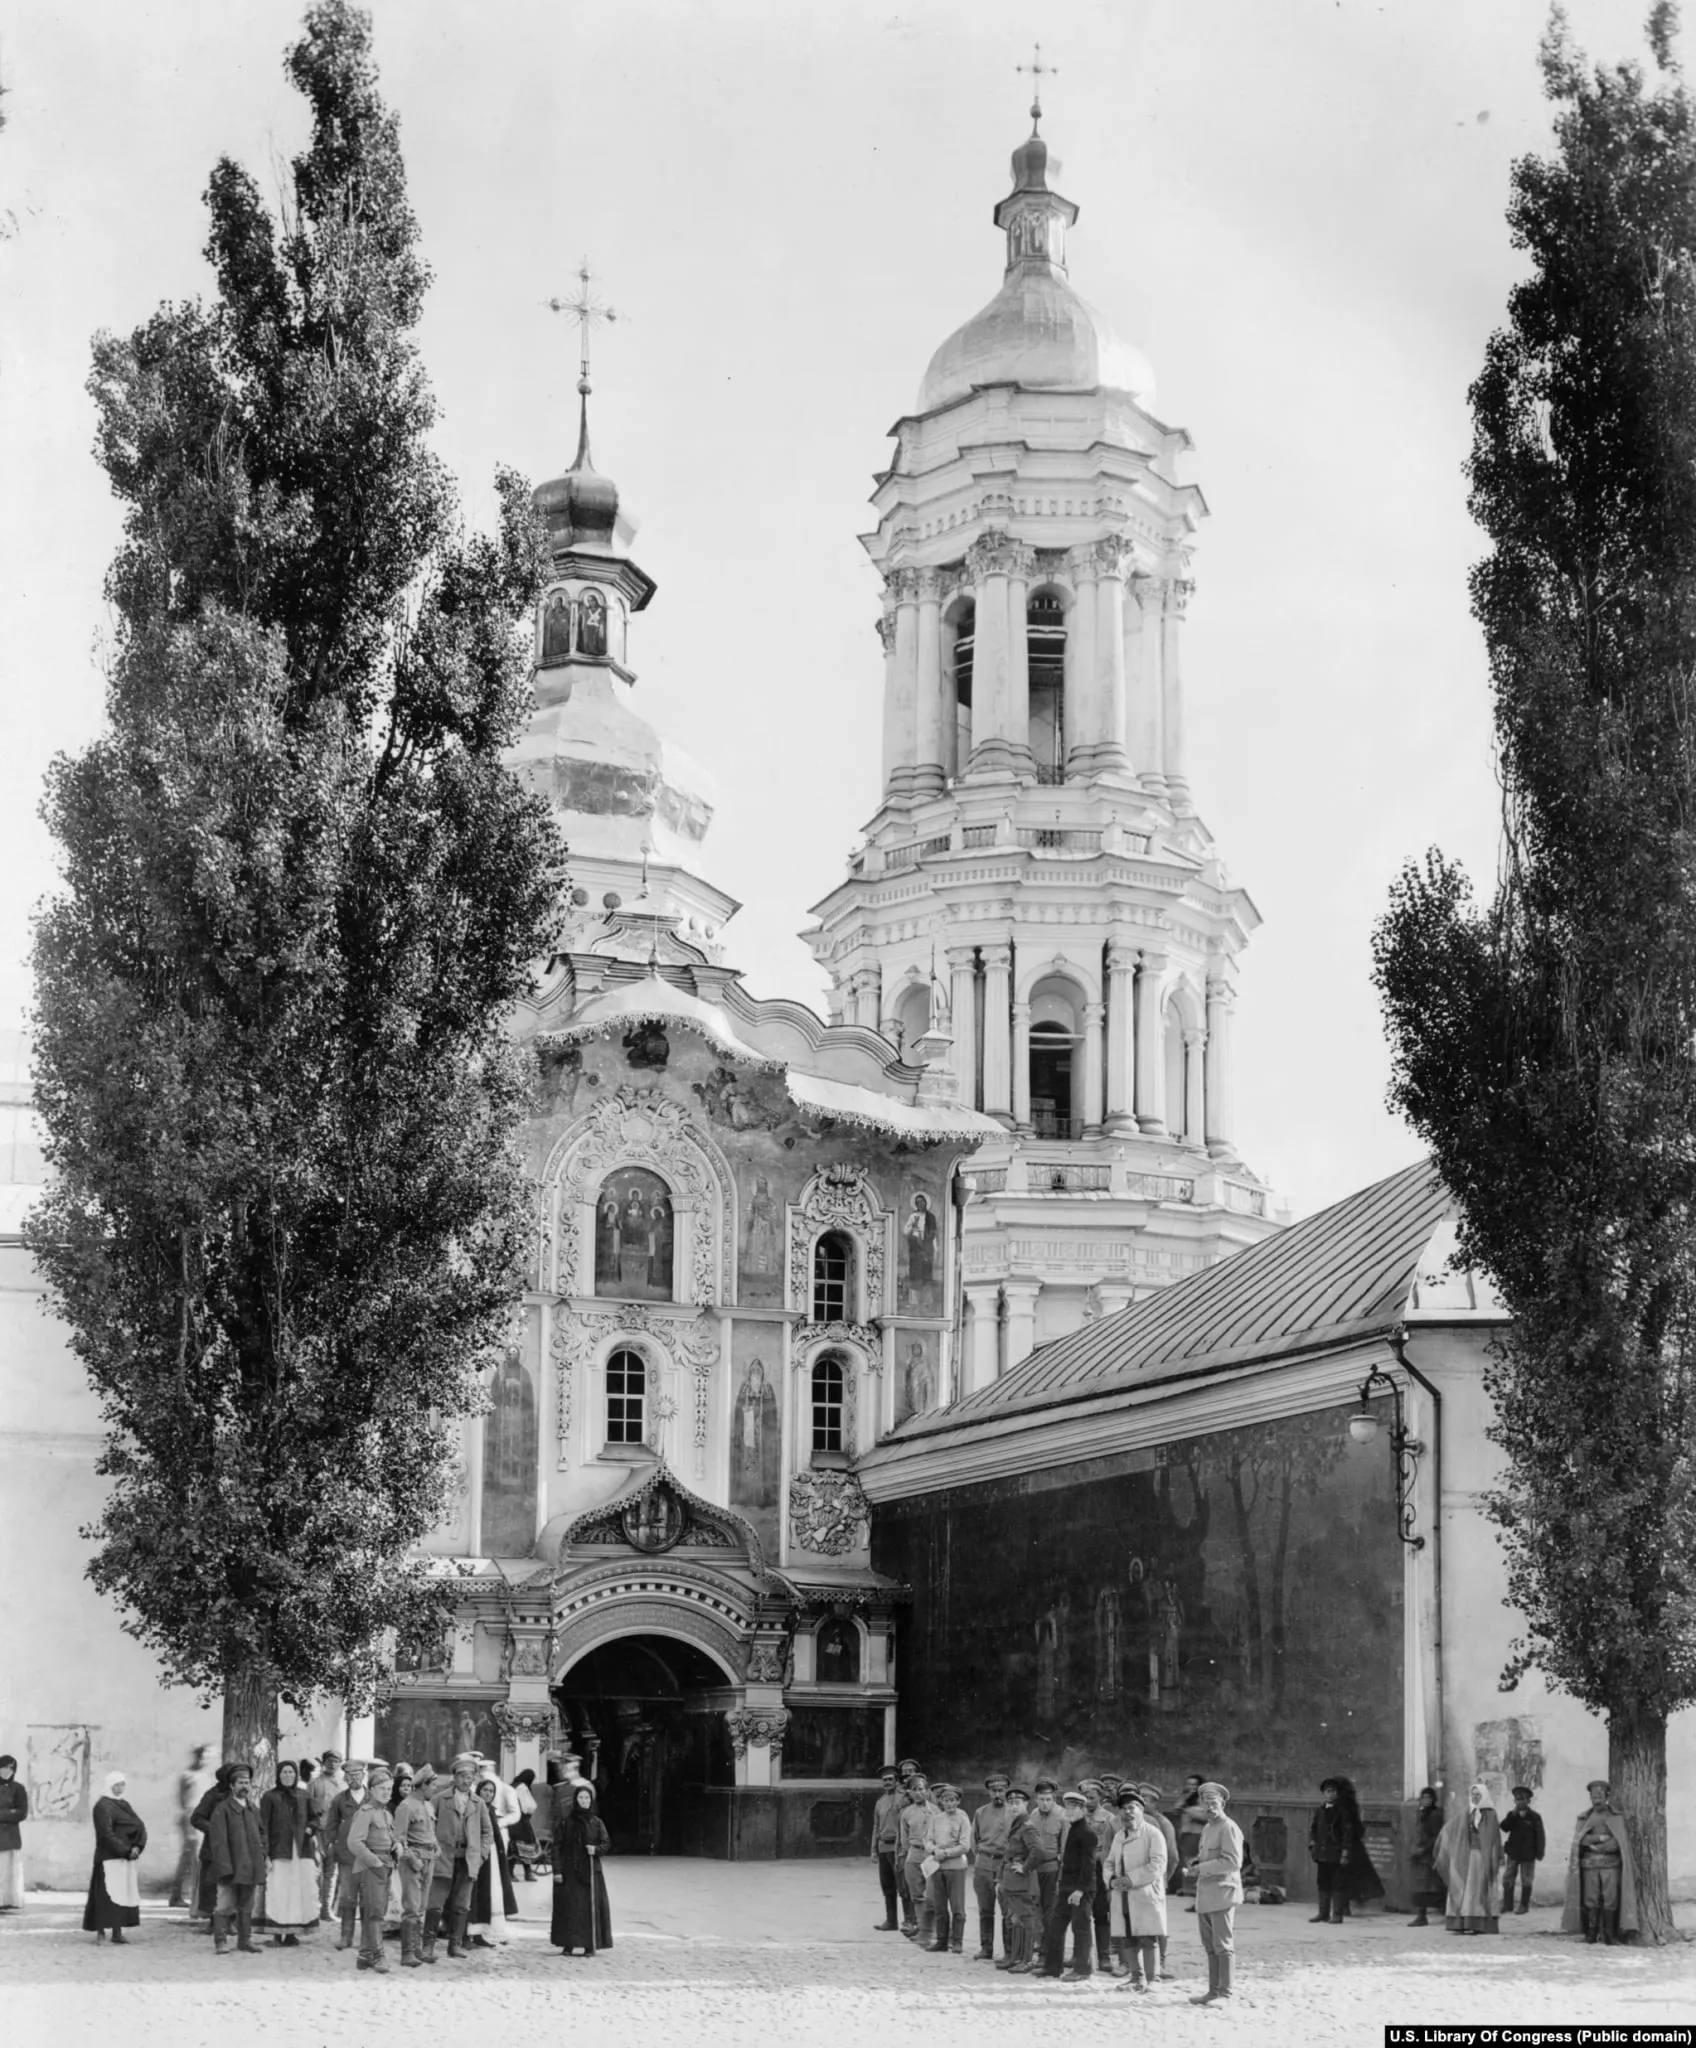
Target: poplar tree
{"x":1545,"y":1045}
{"x":300,"y":895}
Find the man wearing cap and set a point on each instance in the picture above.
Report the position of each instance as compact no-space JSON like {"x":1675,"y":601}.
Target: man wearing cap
{"x":465,"y":1831}
{"x":343,"y":1807}
{"x":1218,"y":1890}
{"x":237,"y":1843}
{"x":1074,"y":1897}
{"x":415,"y":1860}
{"x":1101,"y":1819}
{"x":1045,"y":1831}
{"x":989,"y":1852}
{"x":326,"y":1788}
{"x":907,"y":1770}
{"x":910,"y":1845}
{"x":886,"y":1835}
{"x":1151,"y":1796}
{"x":371,"y":1842}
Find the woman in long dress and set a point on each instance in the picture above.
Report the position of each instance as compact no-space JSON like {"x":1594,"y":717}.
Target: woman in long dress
{"x":526,"y":1850}
{"x":14,"y":1811}
{"x":1469,"y":1858}
{"x":114,"y":1895}
{"x":492,"y":1900}
{"x":291,"y":1889}
{"x":582,"y":1918}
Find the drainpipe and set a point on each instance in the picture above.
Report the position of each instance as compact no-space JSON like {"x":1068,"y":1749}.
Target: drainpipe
{"x":1398,"y":1344}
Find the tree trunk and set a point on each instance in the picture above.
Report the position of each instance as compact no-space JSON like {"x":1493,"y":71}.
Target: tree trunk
{"x":250,"y":1725}
{"x":1637,"y":1767}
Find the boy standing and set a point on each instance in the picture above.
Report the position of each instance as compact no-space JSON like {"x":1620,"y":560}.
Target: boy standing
{"x":1523,"y":1848}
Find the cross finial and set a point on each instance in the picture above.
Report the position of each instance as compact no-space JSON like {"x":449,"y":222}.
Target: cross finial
{"x":589,"y":310}
{"x":1038,"y":72}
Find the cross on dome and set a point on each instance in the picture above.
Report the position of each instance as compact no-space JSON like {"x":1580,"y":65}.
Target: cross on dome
{"x":589,"y":310}
{"x":1038,"y":71}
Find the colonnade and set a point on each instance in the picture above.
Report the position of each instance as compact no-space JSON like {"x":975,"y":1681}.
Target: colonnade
{"x":1123,"y":693}
{"x":1120,"y":1072}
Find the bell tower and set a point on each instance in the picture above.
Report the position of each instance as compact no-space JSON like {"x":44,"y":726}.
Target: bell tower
{"x":1037,"y":906}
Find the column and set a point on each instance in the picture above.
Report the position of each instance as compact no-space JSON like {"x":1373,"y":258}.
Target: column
{"x":1142,"y":625}
{"x":1020,"y":562}
{"x":1151,"y":771}
{"x":1195,"y":1043}
{"x":1172,"y":691}
{"x":1121,"y":1036}
{"x":1220,"y":1121}
{"x":1021,"y":1318}
{"x":900,"y":744}
{"x":1080,"y":662}
{"x":1111,"y":556}
{"x":868,"y":997}
{"x":891,"y":692}
{"x":988,"y":560}
{"x":997,"y":1068}
{"x":961,"y":961}
{"x":931,"y":751}
{"x":984,"y":1363}
{"x":1151,"y":1049}
{"x":1088,"y":1105}
{"x":1022,"y":1066}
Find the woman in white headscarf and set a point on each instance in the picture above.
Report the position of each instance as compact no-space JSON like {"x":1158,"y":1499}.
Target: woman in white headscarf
{"x":1469,"y":1861}
{"x":114,"y":1894}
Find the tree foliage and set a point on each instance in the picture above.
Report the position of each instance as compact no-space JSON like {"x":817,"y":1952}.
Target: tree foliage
{"x":301,"y":893}
{"x":1545,"y":1046}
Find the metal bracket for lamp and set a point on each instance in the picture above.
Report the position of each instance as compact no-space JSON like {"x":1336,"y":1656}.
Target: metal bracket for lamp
{"x":1404,"y":1449}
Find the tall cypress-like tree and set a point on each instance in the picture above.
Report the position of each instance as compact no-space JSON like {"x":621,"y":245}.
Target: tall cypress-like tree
{"x":301,"y":893}
{"x":1546,"y":1046}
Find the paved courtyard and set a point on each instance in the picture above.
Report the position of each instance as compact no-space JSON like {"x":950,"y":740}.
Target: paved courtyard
{"x":710,"y":1953}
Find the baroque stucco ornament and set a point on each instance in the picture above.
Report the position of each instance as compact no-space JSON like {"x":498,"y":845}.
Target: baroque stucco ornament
{"x":829,"y":1512}
{"x":754,"y":1728}
{"x":691,"y":1344}
{"x":641,"y":1127}
{"x":837,"y":1197}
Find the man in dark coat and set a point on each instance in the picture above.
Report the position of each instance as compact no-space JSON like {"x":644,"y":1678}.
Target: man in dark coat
{"x":237,"y":1844}
{"x":886,"y":1831}
{"x":1074,"y":1897}
{"x":343,"y":1807}
{"x":1523,"y":1848}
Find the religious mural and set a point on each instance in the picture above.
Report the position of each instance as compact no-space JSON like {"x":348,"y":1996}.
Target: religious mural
{"x":634,"y":1236}
{"x":836,"y":1652}
{"x":756,"y":1440}
{"x":762,"y":1244}
{"x":436,"y":1731}
{"x":509,"y":1456}
{"x":1231,"y":1603}
{"x":833,"y":1742}
{"x":915,"y":1373}
{"x":918,"y":1251}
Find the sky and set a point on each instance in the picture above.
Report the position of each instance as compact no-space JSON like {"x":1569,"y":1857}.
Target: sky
{"x":1295,"y":210}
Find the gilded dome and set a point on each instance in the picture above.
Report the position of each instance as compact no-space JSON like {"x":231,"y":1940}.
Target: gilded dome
{"x":1036,"y":332}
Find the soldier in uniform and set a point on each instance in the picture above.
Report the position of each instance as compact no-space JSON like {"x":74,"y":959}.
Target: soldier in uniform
{"x":990,"y":1825}
{"x":371,"y":1858}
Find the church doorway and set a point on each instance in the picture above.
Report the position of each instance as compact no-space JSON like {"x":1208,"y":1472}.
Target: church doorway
{"x":646,"y":1714}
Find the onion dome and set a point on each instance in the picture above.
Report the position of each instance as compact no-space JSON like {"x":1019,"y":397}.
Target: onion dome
{"x":581,"y":507}
{"x":1037,"y":332}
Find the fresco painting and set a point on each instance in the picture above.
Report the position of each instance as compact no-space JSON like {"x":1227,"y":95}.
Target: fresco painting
{"x":756,"y":1445}
{"x":634,"y":1236}
{"x":915,"y":1373}
{"x":436,"y":1731}
{"x":1231,"y":1602}
{"x":510,"y":1452}
{"x":919,"y":1247}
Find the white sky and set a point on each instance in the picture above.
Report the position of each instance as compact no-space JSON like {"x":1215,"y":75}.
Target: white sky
{"x":1295,"y":208}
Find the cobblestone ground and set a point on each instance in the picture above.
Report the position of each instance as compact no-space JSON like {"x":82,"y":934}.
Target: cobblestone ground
{"x":710,"y":1953}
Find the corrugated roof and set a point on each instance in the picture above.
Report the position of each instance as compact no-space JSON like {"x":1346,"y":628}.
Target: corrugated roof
{"x":1346,"y":1270}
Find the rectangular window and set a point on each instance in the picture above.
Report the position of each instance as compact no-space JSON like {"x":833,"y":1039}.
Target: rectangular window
{"x":627,"y":1387}
{"x":827,"y":1408}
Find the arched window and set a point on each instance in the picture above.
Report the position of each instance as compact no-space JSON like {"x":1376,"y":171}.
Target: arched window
{"x":1054,"y":1038}
{"x":830,"y":1393}
{"x":627,"y":1398}
{"x":1045,"y":641}
{"x":833,"y":1278}
{"x":957,"y":738}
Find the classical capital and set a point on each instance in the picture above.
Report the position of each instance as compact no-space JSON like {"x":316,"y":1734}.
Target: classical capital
{"x":1094,"y":1012}
{"x":902,"y":585}
{"x":886,"y":632}
{"x":1122,"y":956}
{"x":1147,"y":590}
{"x":1021,"y":1012}
{"x":1178,"y":590}
{"x":931,"y":585}
{"x":1113,"y":555}
{"x":1152,"y":962}
{"x":961,"y":958}
{"x":995,"y":955}
{"x":1080,"y":563}
{"x":1221,"y":992}
{"x":997,"y":554}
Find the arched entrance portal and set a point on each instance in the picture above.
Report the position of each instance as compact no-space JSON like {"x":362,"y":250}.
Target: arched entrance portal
{"x":646,"y":1713}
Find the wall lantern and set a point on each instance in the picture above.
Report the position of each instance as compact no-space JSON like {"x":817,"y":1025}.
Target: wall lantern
{"x":1404,"y":1449}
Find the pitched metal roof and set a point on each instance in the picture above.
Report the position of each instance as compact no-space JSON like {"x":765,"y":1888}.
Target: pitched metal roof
{"x":1334,"y":1276}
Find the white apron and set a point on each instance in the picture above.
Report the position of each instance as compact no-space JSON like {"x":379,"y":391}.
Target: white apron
{"x":123,"y":1882}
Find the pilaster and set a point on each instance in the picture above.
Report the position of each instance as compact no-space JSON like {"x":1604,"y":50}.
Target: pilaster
{"x":1121,"y":1037}
{"x":1082,"y":717}
{"x":1151,"y":1050}
{"x":997,"y":1064}
{"x":1176,"y":598}
{"x":1022,"y":1066}
{"x":1020,"y":1296}
{"x":930,"y":751}
{"x":984,"y":1340}
{"x":962,"y":1020}
{"x":1220,"y":1121}
{"x":1090,"y":1064}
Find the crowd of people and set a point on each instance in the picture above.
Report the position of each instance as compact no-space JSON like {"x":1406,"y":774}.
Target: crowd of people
{"x":1097,"y":1867}
{"x":1093,"y":1867}
{"x":368,"y":1848}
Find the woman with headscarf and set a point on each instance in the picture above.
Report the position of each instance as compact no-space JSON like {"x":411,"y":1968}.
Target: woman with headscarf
{"x":582,"y":1918}
{"x":1336,"y":1839}
{"x":14,"y":1811}
{"x":493,"y":1902}
{"x":525,"y":1848}
{"x":114,"y":1895}
{"x":1428,"y":1890}
{"x":1601,"y":1875}
{"x":291,"y":1889}
{"x":1469,"y":1860}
